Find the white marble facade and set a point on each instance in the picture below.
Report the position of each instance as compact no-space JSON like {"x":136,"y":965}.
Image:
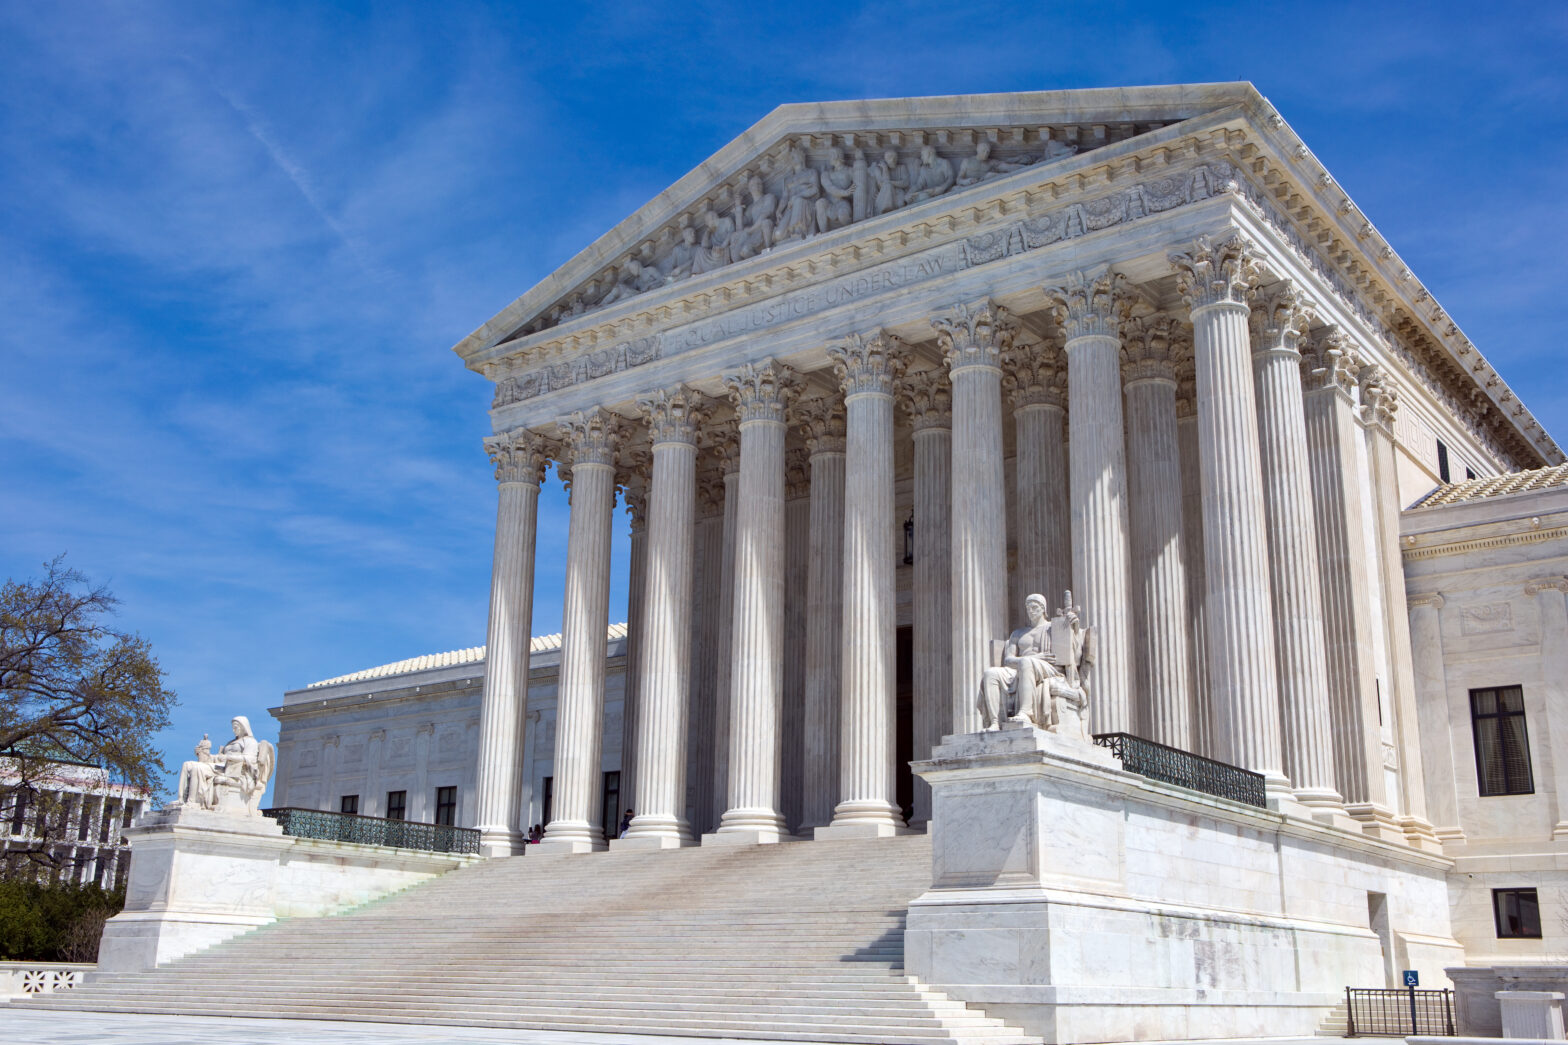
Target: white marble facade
{"x":1133,"y":343}
{"x":413,"y":727}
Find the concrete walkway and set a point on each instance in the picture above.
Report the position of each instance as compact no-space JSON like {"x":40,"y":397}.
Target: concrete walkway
{"x":92,"y":1028}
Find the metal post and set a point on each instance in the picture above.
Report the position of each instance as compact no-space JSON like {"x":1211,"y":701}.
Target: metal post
{"x":1413,"y":1028}
{"x":1350,"y":1015}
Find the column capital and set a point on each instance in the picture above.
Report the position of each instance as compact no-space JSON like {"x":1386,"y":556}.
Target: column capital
{"x":974,"y":334}
{"x":797,"y":474}
{"x":868,"y":364}
{"x":1091,"y":303}
{"x":1035,"y":374}
{"x":519,"y":455}
{"x":927,"y":397}
{"x":1185,"y":363}
{"x":1280,"y":317}
{"x":723,"y":439}
{"x":592,"y":436}
{"x":674,"y":415}
{"x":1330,"y":361}
{"x":1148,"y":349}
{"x":1379,"y":398}
{"x":1417,"y":600}
{"x":821,"y":421}
{"x":1216,"y":271}
{"x":1541,"y":584}
{"x":760,"y":390}
{"x":710,"y":491}
{"x":635,"y":477}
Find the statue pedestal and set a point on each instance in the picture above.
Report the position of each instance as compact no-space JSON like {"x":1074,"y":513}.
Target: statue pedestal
{"x":197,"y":878}
{"x":1085,"y":903}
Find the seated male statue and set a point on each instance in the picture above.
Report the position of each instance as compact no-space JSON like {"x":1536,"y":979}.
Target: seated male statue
{"x":1043,"y":674}
{"x":1026,"y":669}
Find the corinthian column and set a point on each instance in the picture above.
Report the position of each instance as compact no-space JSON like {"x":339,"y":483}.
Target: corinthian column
{"x":665,"y":669}
{"x":1192,"y":545}
{"x":1159,"y":569}
{"x":822,"y":421}
{"x":727,"y":444}
{"x":1214,"y":278}
{"x":634,"y":479}
{"x":520,"y":457}
{"x":591,"y":440}
{"x":928,"y":399}
{"x":867,"y":366}
{"x":1035,"y":378}
{"x":1278,"y":322}
{"x":756,"y":658}
{"x":1344,"y":564}
{"x":973,"y":338}
{"x":1380,"y":406}
{"x":1092,"y":307}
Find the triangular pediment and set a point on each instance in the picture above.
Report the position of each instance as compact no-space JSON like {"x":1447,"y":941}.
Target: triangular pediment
{"x":806,"y":170}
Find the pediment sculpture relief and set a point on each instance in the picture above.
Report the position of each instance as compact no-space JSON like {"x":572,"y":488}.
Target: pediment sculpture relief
{"x":233,"y":780}
{"x":1039,"y":675}
{"x":802,"y":201}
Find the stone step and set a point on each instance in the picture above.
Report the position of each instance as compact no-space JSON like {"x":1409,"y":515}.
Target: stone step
{"x":790,"y":942}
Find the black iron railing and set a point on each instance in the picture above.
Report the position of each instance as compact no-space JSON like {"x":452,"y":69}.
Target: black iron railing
{"x":375,"y":830}
{"x":1394,"y":1012}
{"x":1171,"y":765}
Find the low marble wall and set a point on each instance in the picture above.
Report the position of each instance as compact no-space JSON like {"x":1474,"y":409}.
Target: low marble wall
{"x":317,"y":877}
{"x":26,"y":979}
{"x":1088,"y":904}
{"x":1476,"y":1009}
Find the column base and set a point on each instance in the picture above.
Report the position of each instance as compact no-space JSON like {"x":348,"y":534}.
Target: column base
{"x":1419,"y":834}
{"x":654,"y":832}
{"x":567,"y":836}
{"x":495,"y":842}
{"x":749,"y":827}
{"x":860,"y":829}
{"x":1376,"y":821}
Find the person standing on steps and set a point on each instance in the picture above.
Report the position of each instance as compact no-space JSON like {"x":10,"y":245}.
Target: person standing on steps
{"x":626,"y":821}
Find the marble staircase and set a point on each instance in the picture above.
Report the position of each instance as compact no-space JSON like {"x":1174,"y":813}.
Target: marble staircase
{"x":798,"y":941}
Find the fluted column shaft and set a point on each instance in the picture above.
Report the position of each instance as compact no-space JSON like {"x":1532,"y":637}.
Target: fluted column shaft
{"x":824,"y":427}
{"x":1380,"y":405}
{"x":867,"y":366}
{"x":1091,"y":307}
{"x":636,"y":498}
{"x":1192,"y":538}
{"x":520,"y":460}
{"x":665,"y":668}
{"x":757,"y":644}
{"x":1215,"y":279}
{"x":1159,"y":570}
{"x":928,"y":401}
{"x":1344,"y":565}
{"x":585,"y":610}
{"x":1300,"y":646}
{"x":1035,"y":379}
{"x":723,"y":692}
{"x":700,"y":727}
{"x":973,"y":338}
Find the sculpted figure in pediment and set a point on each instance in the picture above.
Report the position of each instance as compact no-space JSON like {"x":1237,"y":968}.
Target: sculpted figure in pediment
{"x":625,"y":286}
{"x":714,"y":247}
{"x":756,"y":222}
{"x":835,"y":207}
{"x":980,"y":166}
{"x":932,"y":177}
{"x":889,"y":183}
{"x":682,"y":256}
{"x":797,"y":212}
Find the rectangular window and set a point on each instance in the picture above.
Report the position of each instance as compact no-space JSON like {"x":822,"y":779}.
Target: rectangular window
{"x":610,"y":811}
{"x":1518,"y":914}
{"x":85,"y":825}
{"x":1502,"y":746}
{"x":106,"y":824}
{"x":1442,"y":461}
{"x":18,"y":812}
{"x":349,"y":804}
{"x":446,"y":805}
{"x":397,"y":805}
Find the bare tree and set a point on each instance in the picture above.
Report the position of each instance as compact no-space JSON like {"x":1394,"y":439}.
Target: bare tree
{"x":72,"y":690}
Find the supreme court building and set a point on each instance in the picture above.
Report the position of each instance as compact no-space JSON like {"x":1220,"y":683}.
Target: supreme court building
{"x":876,"y":371}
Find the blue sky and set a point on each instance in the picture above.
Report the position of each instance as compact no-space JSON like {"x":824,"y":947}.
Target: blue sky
{"x":238,"y":240}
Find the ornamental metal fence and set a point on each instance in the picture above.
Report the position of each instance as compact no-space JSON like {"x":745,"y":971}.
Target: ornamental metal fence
{"x":1395,"y":1012}
{"x":375,"y":830}
{"x":1171,"y":765}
